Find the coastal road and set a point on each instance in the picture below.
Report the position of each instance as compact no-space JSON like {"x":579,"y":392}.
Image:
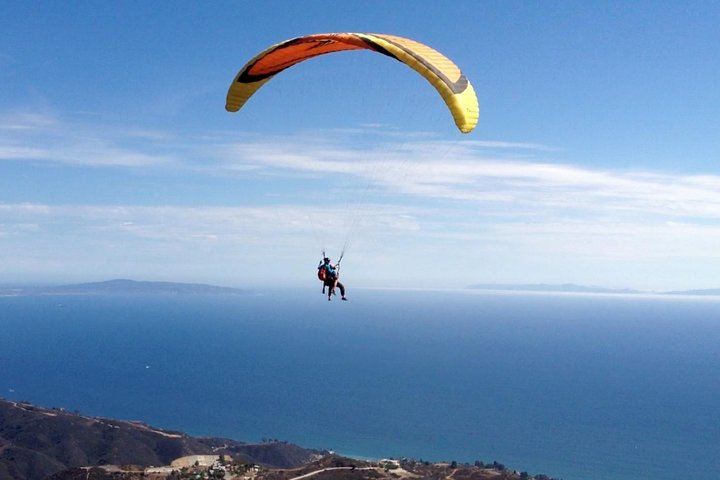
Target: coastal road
{"x":316,"y":472}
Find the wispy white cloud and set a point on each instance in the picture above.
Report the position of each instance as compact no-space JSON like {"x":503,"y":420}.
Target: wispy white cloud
{"x":191,"y":224}
{"x":506,"y":206}
{"x":47,"y":138}
{"x":489,"y":144}
{"x":26,"y":121}
{"x":496,"y":176}
{"x":415,"y":244}
{"x":466,"y":171}
{"x":228,"y":244}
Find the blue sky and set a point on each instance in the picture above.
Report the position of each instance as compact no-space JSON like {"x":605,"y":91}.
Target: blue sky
{"x":595,"y":161}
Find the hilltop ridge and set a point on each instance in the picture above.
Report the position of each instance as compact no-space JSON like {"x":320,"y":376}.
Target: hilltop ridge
{"x":38,"y":443}
{"x":575,"y":288}
{"x":124,"y":286}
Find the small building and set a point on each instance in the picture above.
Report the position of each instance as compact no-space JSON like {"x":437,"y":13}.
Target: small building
{"x":163,"y":470}
{"x":199,"y":460}
{"x":389,"y":464}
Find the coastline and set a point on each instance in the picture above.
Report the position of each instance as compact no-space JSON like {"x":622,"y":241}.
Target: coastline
{"x":400,"y":371}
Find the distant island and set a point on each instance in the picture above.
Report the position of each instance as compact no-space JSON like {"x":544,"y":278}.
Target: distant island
{"x":543,"y":287}
{"x":129,"y":287}
{"x":574,"y":288}
{"x":123,"y":286}
{"x":706,"y":291}
{"x":38,"y":443}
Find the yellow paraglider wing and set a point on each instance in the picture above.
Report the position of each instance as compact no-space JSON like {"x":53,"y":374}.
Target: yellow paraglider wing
{"x":443,"y":74}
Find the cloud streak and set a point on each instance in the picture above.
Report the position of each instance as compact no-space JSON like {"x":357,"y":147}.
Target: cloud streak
{"x":506,"y":206}
{"x":48,"y":139}
{"x":496,"y":176}
{"x":467,"y":172}
{"x":207,"y":241}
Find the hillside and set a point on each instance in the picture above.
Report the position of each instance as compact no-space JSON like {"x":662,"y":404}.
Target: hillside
{"x":36,"y":442}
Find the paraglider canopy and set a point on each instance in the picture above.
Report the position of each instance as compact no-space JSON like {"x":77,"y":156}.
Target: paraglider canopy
{"x":443,"y":74}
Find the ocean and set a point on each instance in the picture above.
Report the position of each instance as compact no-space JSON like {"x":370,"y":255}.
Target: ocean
{"x":578,"y":387}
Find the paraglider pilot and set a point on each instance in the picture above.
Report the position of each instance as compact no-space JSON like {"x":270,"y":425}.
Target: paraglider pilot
{"x":328,"y":273}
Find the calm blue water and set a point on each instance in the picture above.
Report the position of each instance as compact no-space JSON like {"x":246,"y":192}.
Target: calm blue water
{"x":577,"y":387}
